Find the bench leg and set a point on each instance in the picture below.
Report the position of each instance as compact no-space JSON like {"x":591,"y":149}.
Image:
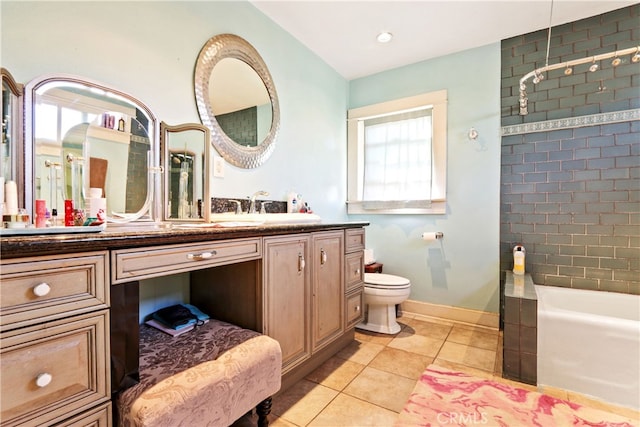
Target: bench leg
{"x":263,"y":409}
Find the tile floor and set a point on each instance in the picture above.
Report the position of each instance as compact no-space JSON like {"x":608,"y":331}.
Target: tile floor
{"x":369,"y":381}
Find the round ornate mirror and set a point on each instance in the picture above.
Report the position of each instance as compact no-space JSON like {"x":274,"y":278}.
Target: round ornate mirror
{"x":237,"y":100}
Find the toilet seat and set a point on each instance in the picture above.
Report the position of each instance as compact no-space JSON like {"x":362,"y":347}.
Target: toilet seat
{"x":385,"y":281}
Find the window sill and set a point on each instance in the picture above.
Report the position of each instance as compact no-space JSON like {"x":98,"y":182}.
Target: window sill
{"x":438,"y":207}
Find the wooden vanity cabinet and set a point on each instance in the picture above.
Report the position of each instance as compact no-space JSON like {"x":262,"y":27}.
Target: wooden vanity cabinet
{"x":327,"y":315}
{"x":303,"y":288}
{"x":354,"y":276}
{"x":54,"y":342}
{"x":304,"y":293}
{"x":287,"y":296}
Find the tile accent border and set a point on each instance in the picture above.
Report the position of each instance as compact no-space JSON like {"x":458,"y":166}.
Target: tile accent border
{"x":573,"y":122}
{"x":456,"y":314}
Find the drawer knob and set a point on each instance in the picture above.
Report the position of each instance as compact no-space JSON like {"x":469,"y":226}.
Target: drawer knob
{"x":43,"y":380}
{"x":41,"y":289}
{"x":357,"y":308}
{"x":358,"y":272}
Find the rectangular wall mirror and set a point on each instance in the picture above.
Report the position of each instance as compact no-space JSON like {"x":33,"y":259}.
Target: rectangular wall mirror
{"x":186,"y":162}
{"x":11,"y":153}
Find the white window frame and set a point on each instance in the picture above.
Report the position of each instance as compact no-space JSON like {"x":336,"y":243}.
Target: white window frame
{"x":355,"y":153}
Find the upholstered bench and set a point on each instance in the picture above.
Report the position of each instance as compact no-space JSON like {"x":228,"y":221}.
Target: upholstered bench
{"x":210,"y":376}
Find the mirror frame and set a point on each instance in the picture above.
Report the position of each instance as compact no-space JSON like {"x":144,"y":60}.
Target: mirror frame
{"x":151,"y":209}
{"x":17,"y":137}
{"x":216,"y":49}
{"x":165,"y":130}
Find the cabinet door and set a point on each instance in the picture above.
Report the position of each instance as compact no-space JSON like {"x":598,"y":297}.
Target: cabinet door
{"x":286,"y":296}
{"x":328,"y":287}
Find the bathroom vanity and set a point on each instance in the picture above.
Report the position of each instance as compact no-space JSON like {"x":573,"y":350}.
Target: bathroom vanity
{"x":66,"y":303}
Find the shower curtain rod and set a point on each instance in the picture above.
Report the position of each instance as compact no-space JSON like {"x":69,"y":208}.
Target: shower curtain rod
{"x":538,"y":71}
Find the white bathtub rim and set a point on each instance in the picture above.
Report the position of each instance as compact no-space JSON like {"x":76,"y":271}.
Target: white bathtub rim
{"x":574,"y":344}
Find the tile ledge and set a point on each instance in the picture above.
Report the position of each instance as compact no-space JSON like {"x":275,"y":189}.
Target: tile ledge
{"x":519,"y":286}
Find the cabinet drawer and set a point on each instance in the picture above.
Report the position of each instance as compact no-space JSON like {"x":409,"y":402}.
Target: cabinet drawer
{"x":354,"y":308}
{"x":40,"y":289}
{"x":54,"y":370}
{"x":353,"y":274}
{"x":354,"y":239}
{"x":135,"y":264}
{"x":98,"y":417}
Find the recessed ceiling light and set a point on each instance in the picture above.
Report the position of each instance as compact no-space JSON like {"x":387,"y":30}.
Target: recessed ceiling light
{"x":384,"y":37}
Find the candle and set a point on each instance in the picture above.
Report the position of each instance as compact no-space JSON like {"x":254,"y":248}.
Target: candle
{"x":11,"y":198}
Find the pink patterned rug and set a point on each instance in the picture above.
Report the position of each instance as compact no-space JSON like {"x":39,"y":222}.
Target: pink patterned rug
{"x":448,"y":398}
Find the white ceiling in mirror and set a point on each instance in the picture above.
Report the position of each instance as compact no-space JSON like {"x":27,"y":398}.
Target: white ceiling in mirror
{"x":235,"y":86}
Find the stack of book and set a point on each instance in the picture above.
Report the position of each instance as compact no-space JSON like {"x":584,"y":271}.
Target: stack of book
{"x":160,"y":322}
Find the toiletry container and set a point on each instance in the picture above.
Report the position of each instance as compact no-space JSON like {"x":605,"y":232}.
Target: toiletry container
{"x":518,"y":259}
{"x":292,"y":202}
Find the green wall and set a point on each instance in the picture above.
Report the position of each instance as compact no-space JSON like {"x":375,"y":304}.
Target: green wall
{"x":462,"y":269}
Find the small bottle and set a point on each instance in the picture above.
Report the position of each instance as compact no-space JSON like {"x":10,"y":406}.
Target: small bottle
{"x":518,"y":259}
{"x":54,"y":218}
{"x":292,"y":202}
{"x":121,"y":124}
{"x":68,"y":213}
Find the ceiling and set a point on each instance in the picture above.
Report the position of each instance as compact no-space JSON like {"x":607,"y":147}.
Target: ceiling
{"x":343,"y":33}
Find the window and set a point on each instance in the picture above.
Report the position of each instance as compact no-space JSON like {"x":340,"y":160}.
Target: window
{"x":397,"y":156}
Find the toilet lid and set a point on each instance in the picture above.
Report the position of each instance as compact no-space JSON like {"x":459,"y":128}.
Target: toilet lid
{"x":386,"y":280}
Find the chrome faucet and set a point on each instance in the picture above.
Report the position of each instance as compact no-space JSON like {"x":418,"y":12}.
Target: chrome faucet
{"x":252,"y":205}
{"x":238,"y":206}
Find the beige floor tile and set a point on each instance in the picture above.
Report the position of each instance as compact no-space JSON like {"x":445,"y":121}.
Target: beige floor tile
{"x":497,"y":367}
{"x":416,"y":344}
{"x":373,"y":337}
{"x":470,"y":356}
{"x":360,"y":352}
{"x":336,"y":373}
{"x":474,"y":337}
{"x":346,"y":410}
{"x":463,"y":368}
{"x":381,"y":388}
{"x":302,"y":402}
{"x":433,"y":330}
{"x":400,"y":362}
{"x":278,"y":422}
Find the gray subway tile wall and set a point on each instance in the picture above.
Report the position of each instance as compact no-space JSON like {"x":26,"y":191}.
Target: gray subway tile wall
{"x":572,"y":196}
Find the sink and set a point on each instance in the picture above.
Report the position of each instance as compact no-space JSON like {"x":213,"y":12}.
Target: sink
{"x":269,"y":218}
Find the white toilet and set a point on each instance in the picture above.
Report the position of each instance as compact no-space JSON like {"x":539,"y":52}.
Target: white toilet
{"x":381,"y":294}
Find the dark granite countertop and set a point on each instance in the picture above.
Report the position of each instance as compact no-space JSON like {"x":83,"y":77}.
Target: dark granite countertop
{"x":141,"y":235}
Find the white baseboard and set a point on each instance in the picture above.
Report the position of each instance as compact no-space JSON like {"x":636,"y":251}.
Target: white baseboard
{"x":456,"y":314}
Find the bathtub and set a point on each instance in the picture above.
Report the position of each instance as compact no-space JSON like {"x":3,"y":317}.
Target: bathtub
{"x":589,"y":342}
